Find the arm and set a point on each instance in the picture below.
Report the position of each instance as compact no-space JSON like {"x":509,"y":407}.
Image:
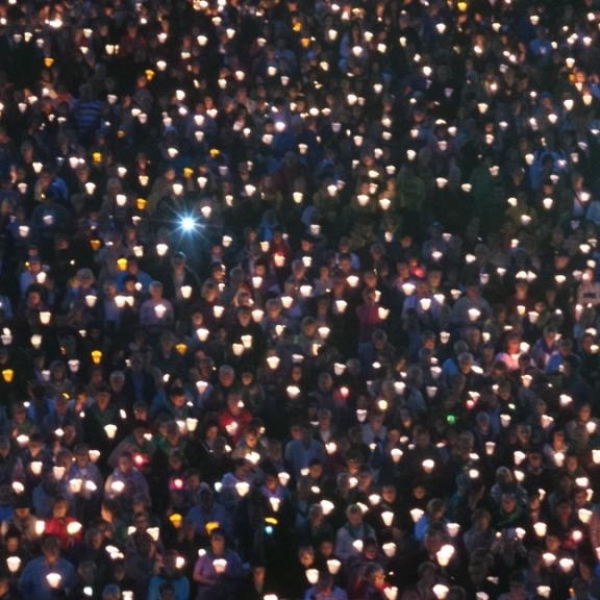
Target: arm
{"x":199,"y":573}
{"x":26,"y":582}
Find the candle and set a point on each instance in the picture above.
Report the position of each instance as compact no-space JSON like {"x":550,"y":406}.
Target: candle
{"x":518,"y":457}
{"x":374,"y":499}
{"x":333,"y":566}
{"x":273,"y":362}
{"x":220,"y":564}
{"x":117,"y":486}
{"x":440,"y":591}
{"x":13,"y":563}
{"x":444,"y":554}
{"x":396,"y":454}
{"x":387,"y":517}
{"x":416,"y":514}
{"x":566,"y":564}
{"x":391,"y":593}
{"x":74,"y":528}
{"x":90,"y":299}
{"x":408,"y":288}
{"x":242,"y":488}
{"x":53,"y":580}
{"x":474,"y":314}
{"x":549,"y":558}
{"x":341,"y":306}
{"x":431,"y":391}
{"x":312,"y":575}
{"x":75,"y":485}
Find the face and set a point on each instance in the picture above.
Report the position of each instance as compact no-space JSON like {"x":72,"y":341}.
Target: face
{"x":509,"y":504}
{"x":306,"y":559}
{"x":355,"y":518}
{"x":217,"y":544}
{"x":125,"y":464}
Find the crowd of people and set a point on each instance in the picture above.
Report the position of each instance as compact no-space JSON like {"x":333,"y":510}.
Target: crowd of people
{"x":298,"y":299}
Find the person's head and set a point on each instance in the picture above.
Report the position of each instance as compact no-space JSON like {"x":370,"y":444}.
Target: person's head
{"x":177,"y":396}
{"x":481,"y":518}
{"x":508,"y":502}
{"x":354,"y":515}
{"x":60,"y":508}
{"x":235,"y":404}
{"x":376,"y":576}
{"x":51,"y":548}
{"x":465,"y":362}
{"x":244,"y":316}
{"x":315,"y":468}
{"x":111,"y":592}
{"x":217,"y":541}
{"x":584,"y":413}
{"x":306,"y":556}
{"x":156,"y":290}
{"x":125,"y":461}
{"x":259,"y":572}
{"x":226,"y":376}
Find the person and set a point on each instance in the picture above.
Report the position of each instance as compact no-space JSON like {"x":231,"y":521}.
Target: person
{"x":350,"y":538}
{"x":218,"y":569}
{"x":170,"y":575}
{"x":299,"y":452}
{"x":46,"y":573}
{"x":325,"y":590}
{"x":126,"y":481}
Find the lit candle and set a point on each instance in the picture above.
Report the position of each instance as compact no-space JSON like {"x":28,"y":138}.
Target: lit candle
{"x":13,"y":563}
{"x":444,"y":554}
{"x":53,"y":580}
{"x":74,"y":528}
{"x":312,"y":575}
{"x":416,"y":514}
{"x":396,"y":454}
{"x":220,"y":564}
{"x":387,"y":517}
{"x":242,"y":488}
